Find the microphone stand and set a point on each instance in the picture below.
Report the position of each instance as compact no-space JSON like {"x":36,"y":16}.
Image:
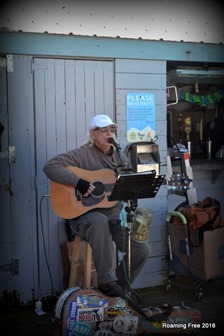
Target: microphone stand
{"x":117,"y":159}
{"x":130,"y":210}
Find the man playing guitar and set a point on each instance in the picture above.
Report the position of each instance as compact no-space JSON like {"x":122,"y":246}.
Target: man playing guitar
{"x":81,"y":173}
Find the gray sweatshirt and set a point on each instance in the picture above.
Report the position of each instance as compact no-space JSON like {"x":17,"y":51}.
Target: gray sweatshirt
{"x":85,"y":157}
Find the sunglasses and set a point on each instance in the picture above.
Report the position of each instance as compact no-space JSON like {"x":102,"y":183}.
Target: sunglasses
{"x":111,"y":129}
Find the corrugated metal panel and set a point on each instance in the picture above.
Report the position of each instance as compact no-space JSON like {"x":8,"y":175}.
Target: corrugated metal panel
{"x":173,"y":20}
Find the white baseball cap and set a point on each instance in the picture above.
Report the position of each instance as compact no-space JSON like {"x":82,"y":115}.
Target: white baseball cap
{"x":101,"y":120}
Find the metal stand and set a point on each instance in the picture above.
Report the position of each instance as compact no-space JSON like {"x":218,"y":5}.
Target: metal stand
{"x":130,"y":209}
{"x":130,"y":188}
{"x":181,"y":184}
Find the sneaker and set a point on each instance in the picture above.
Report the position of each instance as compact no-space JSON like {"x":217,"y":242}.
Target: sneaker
{"x":111,"y":289}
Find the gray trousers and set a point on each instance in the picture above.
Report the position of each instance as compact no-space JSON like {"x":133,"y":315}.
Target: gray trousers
{"x":93,"y":227}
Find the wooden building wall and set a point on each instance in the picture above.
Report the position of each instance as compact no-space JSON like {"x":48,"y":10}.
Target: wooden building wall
{"x":46,"y":102}
{"x":49,"y":103}
{"x":147,"y":76}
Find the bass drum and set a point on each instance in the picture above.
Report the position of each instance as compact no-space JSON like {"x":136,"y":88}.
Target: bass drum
{"x":88,"y":312}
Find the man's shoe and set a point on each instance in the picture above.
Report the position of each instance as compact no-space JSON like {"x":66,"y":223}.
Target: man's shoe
{"x":124,"y":285}
{"x":111,"y":289}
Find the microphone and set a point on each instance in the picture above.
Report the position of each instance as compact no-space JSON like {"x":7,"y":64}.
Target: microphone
{"x":115,"y":143}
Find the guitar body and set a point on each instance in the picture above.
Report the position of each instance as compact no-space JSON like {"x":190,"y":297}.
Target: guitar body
{"x":68,"y":203}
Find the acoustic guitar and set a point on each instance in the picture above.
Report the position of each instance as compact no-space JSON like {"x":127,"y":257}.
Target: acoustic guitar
{"x":67,"y":202}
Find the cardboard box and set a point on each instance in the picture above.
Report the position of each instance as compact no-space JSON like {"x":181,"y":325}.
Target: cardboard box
{"x":206,"y":259}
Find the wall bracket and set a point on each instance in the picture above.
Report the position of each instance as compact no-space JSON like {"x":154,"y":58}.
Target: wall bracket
{"x":13,"y":267}
{"x":9,"y":154}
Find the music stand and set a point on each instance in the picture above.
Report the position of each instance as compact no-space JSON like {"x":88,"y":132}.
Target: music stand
{"x":134,"y":186}
{"x":131,"y":187}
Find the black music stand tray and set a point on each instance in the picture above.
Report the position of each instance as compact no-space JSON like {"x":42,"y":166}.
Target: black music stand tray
{"x":134,"y":186}
{"x":130,"y":188}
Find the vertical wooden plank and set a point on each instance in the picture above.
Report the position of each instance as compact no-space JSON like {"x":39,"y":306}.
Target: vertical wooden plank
{"x":108,"y":80}
{"x":40,"y":66}
{"x":74,"y":262}
{"x":49,"y":116}
{"x":87,"y":273}
{"x":99,"y":89}
{"x":6,"y":225}
{"x":70,"y":106}
{"x":89,"y":90}
{"x":60,"y":105}
{"x":81,"y":127}
{"x":56,"y":233}
{"x":23,"y":200}
{"x":40,"y":115}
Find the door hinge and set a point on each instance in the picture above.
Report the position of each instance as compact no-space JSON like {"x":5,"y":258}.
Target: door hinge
{"x":10,"y":154}
{"x":9,"y":63}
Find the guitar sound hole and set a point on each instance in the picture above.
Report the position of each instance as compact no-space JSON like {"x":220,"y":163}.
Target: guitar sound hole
{"x":99,"y":189}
